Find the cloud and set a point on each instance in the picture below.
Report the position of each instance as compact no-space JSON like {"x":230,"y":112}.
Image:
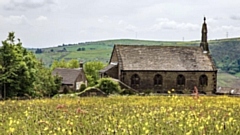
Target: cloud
{"x":16,"y":20}
{"x":104,"y":19}
{"x":42,"y":18}
{"x":124,"y":26}
{"x":165,"y":23}
{"x":226,"y":28}
{"x":28,"y":4}
{"x":235,"y":17}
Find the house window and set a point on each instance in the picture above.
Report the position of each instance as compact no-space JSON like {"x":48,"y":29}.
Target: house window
{"x":180,"y":80}
{"x":135,"y":79}
{"x":203,"y":80}
{"x":157,"y":79}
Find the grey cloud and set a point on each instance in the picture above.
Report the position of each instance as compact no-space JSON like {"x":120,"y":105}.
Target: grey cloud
{"x":235,"y":17}
{"x":28,"y":4}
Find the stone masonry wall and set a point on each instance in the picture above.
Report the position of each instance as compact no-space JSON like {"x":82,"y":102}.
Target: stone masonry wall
{"x":170,"y":81}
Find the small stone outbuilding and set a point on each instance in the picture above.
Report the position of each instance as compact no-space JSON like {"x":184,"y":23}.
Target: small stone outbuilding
{"x":92,"y":92}
{"x":163,"y":68}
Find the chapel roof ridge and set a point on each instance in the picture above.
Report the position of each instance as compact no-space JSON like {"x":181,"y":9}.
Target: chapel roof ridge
{"x":181,"y":46}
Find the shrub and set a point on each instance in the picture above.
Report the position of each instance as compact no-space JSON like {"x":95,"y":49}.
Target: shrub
{"x":108,"y":86}
{"x":82,"y":87}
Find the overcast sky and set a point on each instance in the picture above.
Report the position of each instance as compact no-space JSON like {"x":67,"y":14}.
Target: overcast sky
{"x":45,"y":23}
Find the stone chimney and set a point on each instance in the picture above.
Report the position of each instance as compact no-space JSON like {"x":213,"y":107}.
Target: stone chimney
{"x":80,"y":64}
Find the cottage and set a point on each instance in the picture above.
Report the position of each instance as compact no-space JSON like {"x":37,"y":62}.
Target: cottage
{"x":163,"y":68}
{"x":72,"y":79}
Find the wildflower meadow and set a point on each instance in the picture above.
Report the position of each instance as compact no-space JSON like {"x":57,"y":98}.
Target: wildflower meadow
{"x":120,"y":115}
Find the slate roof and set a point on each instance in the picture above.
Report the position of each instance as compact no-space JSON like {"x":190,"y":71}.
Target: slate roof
{"x":166,"y":58}
{"x":108,"y":67}
{"x":68,"y":75}
{"x":228,"y":90}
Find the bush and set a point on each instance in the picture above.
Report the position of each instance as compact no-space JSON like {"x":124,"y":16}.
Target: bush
{"x":82,"y":87}
{"x":108,"y":86}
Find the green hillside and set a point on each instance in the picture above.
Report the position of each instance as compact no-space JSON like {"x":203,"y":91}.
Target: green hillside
{"x":225,"y":52}
{"x":99,"y":50}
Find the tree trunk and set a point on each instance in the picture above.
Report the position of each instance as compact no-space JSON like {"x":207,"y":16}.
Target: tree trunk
{"x":4,"y":91}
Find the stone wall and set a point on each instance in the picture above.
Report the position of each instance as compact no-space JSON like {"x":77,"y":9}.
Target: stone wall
{"x":81,"y":78}
{"x":113,"y":72}
{"x":169,"y":81}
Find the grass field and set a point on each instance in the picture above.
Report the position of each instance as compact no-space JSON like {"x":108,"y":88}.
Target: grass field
{"x":228,"y":80}
{"x":122,"y":115}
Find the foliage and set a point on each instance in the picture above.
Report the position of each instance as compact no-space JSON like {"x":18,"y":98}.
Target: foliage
{"x":39,"y":51}
{"x":46,"y":84}
{"x":17,"y":68}
{"x":83,"y":87}
{"x":91,"y":70}
{"x":21,"y":74}
{"x":73,"y":63}
{"x":226,"y":55}
{"x":108,"y":86}
{"x":123,"y":115}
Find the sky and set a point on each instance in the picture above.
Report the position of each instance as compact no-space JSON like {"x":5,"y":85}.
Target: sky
{"x":47,"y":23}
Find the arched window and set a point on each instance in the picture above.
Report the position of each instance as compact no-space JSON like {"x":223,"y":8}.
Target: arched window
{"x":180,"y":80}
{"x":157,"y":79}
{"x":135,"y":79}
{"x":203,"y":80}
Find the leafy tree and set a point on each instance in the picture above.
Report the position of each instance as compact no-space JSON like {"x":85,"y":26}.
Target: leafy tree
{"x":108,"y":86}
{"x":38,"y":51}
{"x":46,"y":84}
{"x":22,"y":74}
{"x":17,"y":68}
{"x":64,"y":49}
{"x":74,"y":63}
{"x":91,"y":70}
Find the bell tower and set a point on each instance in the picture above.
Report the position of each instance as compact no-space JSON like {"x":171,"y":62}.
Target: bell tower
{"x":204,"y":43}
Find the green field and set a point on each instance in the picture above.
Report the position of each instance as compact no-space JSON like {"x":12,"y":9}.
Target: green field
{"x":122,"y":115}
{"x":96,"y":51}
{"x":228,"y":80}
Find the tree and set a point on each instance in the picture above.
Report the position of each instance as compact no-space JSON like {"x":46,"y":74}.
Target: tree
{"x":73,"y":63}
{"x":46,"y":84}
{"x":17,"y":68}
{"x":21,"y":74}
{"x":65,"y":64}
{"x":91,"y":70}
{"x":38,"y":51}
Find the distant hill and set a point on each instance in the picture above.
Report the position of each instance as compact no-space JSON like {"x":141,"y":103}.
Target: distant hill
{"x":99,"y":50}
{"x":225,"y":52}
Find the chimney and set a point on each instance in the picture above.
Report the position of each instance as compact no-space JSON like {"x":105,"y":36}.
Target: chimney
{"x":80,"y":64}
